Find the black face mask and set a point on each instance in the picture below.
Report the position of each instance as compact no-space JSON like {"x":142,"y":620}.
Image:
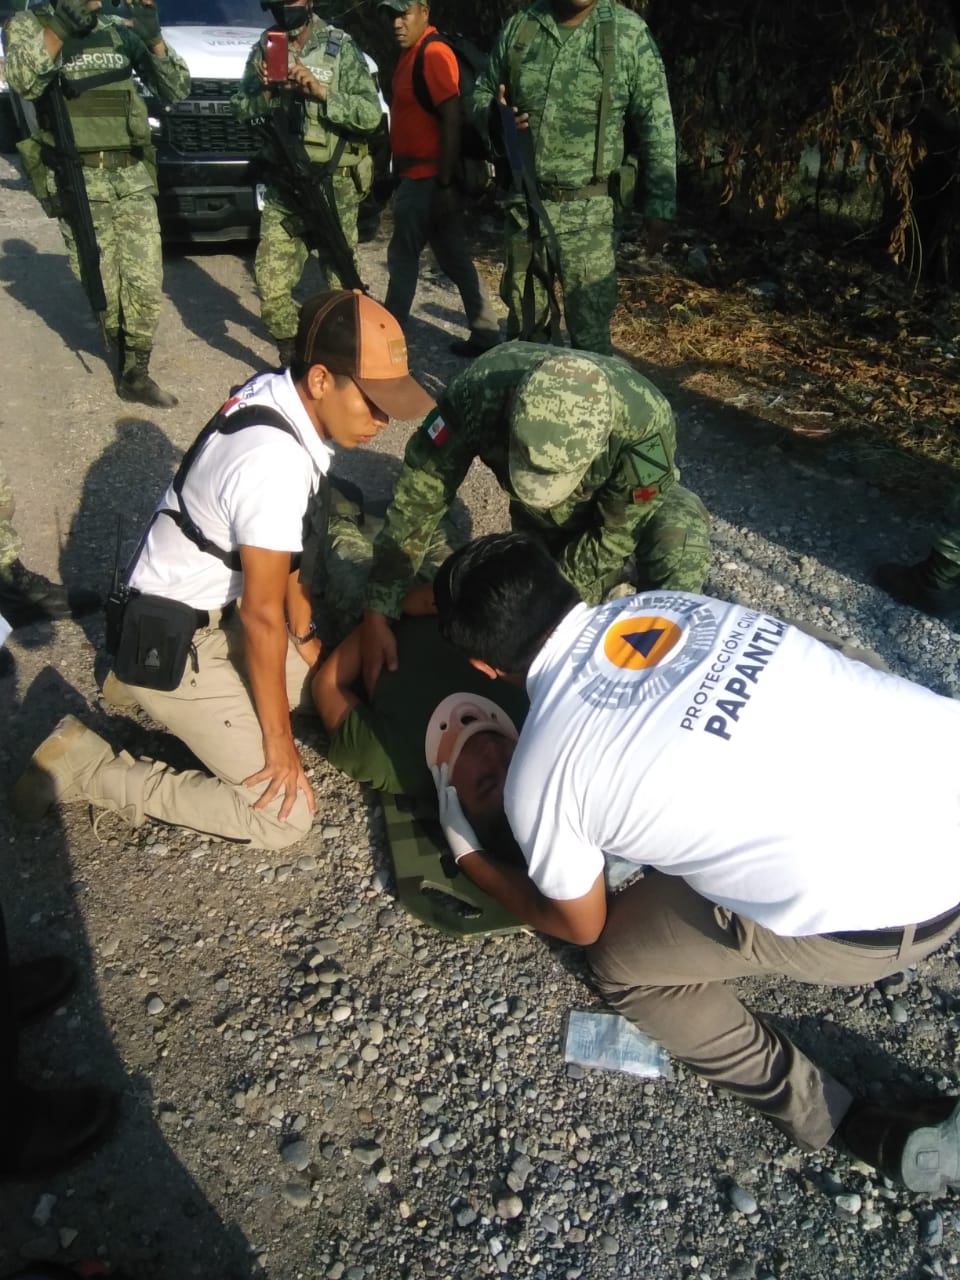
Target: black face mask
{"x":287,"y":17}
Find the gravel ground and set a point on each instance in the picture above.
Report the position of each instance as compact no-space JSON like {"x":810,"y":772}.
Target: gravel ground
{"x":313,"y":1084}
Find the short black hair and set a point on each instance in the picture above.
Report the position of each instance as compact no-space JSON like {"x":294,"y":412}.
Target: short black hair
{"x":300,"y":368}
{"x":499,"y":597}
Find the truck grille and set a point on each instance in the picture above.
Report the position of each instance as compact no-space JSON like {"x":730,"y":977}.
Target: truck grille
{"x":205,"y":123}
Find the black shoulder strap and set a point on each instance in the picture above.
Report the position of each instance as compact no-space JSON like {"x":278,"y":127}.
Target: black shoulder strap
{"x":248,"y":416}
{"x":419,"y":76}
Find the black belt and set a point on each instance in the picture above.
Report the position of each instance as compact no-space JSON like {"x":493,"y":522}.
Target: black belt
{"x":893,"y":937}
{"x":560,"y":195}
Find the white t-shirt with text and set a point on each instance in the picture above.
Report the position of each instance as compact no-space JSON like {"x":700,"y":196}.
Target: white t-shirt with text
{"x":780,"y":779}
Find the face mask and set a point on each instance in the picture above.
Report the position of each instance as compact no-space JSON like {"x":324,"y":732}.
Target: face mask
{"x":287,"y":17}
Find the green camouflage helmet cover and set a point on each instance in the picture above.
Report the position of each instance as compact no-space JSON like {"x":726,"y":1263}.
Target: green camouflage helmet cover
{"x":561,"y":419}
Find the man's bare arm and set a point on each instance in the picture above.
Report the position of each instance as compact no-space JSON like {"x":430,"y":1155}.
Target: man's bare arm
{"x":332,"y":685}
{"x":262,"y":611}
{"x":577,"y":920}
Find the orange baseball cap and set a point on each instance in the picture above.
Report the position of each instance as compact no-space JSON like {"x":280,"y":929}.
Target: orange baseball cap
{"x":350,"y":334}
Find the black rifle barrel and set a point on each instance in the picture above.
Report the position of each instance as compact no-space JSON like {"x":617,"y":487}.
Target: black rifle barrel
{"x":309,"y":188}
{"x":74,"y":204}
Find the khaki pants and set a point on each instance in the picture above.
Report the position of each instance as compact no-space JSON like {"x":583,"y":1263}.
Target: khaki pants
{"x":663,"y":961}
{"x":212,"y":711}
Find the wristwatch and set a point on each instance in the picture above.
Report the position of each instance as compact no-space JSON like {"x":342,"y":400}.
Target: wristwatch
{"x":310,"y":632}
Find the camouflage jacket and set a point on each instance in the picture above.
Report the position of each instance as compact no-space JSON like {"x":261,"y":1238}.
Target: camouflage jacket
{"x":352,"y":106}
{"x":557,"y":80}
{"x":590,"y":534}
{"x":29,"y":67}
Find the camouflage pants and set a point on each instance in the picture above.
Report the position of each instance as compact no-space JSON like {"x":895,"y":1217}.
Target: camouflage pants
{"x":9,"y":538}
{"x":282,"y":254}
{"x":949,"y":544}
{"x":586,"y":241}
{"x":124,"y":213}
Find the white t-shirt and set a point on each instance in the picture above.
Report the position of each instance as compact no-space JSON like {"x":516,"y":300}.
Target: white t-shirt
{"x":250,"y":488}
{"x":797,"y":787}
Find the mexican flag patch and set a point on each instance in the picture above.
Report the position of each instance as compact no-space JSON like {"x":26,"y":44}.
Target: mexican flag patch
{"x":436,"y":428}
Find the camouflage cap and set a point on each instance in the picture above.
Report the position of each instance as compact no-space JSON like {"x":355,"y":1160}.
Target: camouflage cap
{"x":561,"y":418}
{"x":401,"y":6}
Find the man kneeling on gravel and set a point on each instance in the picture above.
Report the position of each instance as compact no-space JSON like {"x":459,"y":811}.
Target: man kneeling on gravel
{"x":767,"y":782}
{"x":216,"y":640}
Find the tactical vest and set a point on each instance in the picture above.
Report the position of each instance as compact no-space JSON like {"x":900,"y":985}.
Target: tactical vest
{"x":320,"y":141}
{"x":108,"y":114}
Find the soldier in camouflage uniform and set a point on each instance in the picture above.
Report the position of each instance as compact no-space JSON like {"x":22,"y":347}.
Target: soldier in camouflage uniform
{"x":588,"y":145}
{"x":96,"y":57}
{"x":26,"y":596}
{"x":340,"y":105}
{"x":933,"y":585}
{"x":582,"y":444}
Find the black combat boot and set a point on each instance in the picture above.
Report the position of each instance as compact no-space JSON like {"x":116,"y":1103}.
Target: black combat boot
{"x":916,"y":1143}
{"x":136,"y":384}
{"x":27,"y":597}
{"x":286,"y":349}
{"x":933,"y":585}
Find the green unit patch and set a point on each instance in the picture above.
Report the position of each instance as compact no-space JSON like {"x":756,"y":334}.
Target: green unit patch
{"x":648,"y":463}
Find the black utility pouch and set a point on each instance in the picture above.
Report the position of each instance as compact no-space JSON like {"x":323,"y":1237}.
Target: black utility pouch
{"x":156,"y":636}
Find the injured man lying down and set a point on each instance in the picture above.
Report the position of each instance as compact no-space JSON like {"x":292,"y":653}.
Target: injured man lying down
{"x":434,"y":710}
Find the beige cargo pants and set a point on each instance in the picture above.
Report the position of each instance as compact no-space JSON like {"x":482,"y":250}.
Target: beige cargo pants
{"x":213,"y":713}
{"x":664,"y":960}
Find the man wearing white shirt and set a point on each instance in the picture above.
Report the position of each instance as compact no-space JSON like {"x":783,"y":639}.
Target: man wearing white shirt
{"x":767,"y":781}
{"x":224,"y":543}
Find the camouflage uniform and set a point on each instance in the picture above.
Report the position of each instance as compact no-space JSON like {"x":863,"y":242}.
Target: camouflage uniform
{"x":9,"y":538}
{"x":555,"y":74}
{"x":584,"y":447}
{"x":949,"y":544}
{"x":352,"y":111}
{"x":111,"y":126}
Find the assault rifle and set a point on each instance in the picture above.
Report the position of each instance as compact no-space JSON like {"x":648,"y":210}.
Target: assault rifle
{"x":305,"y":186}
{"x":544,"y":264}
{"x":74,"y":207}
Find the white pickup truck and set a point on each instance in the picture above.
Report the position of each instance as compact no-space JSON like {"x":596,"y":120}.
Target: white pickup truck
{"x":203,"y":152}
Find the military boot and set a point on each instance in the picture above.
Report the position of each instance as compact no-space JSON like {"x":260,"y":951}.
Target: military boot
{"x":136,"y":384}
{"x":27,"y":597}
{"x":916,"y":1143}
{"x":286,"y":349}
{"x":60,"y":770}
{"x":932,"y":586}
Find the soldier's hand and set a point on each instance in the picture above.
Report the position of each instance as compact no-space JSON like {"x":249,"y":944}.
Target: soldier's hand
{"x":145,"y":21}
{"x":303,"y":77}
{"x":419,"y":600}
{"x":72,"y":18}
{"x":378,"y":647}
{"x":522,"y":117}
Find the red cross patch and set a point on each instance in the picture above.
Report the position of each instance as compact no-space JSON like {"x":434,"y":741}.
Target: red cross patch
{"x":647,"y":494}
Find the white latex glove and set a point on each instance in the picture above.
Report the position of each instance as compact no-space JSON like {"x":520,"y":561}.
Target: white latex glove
{"x":460,"y":836}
